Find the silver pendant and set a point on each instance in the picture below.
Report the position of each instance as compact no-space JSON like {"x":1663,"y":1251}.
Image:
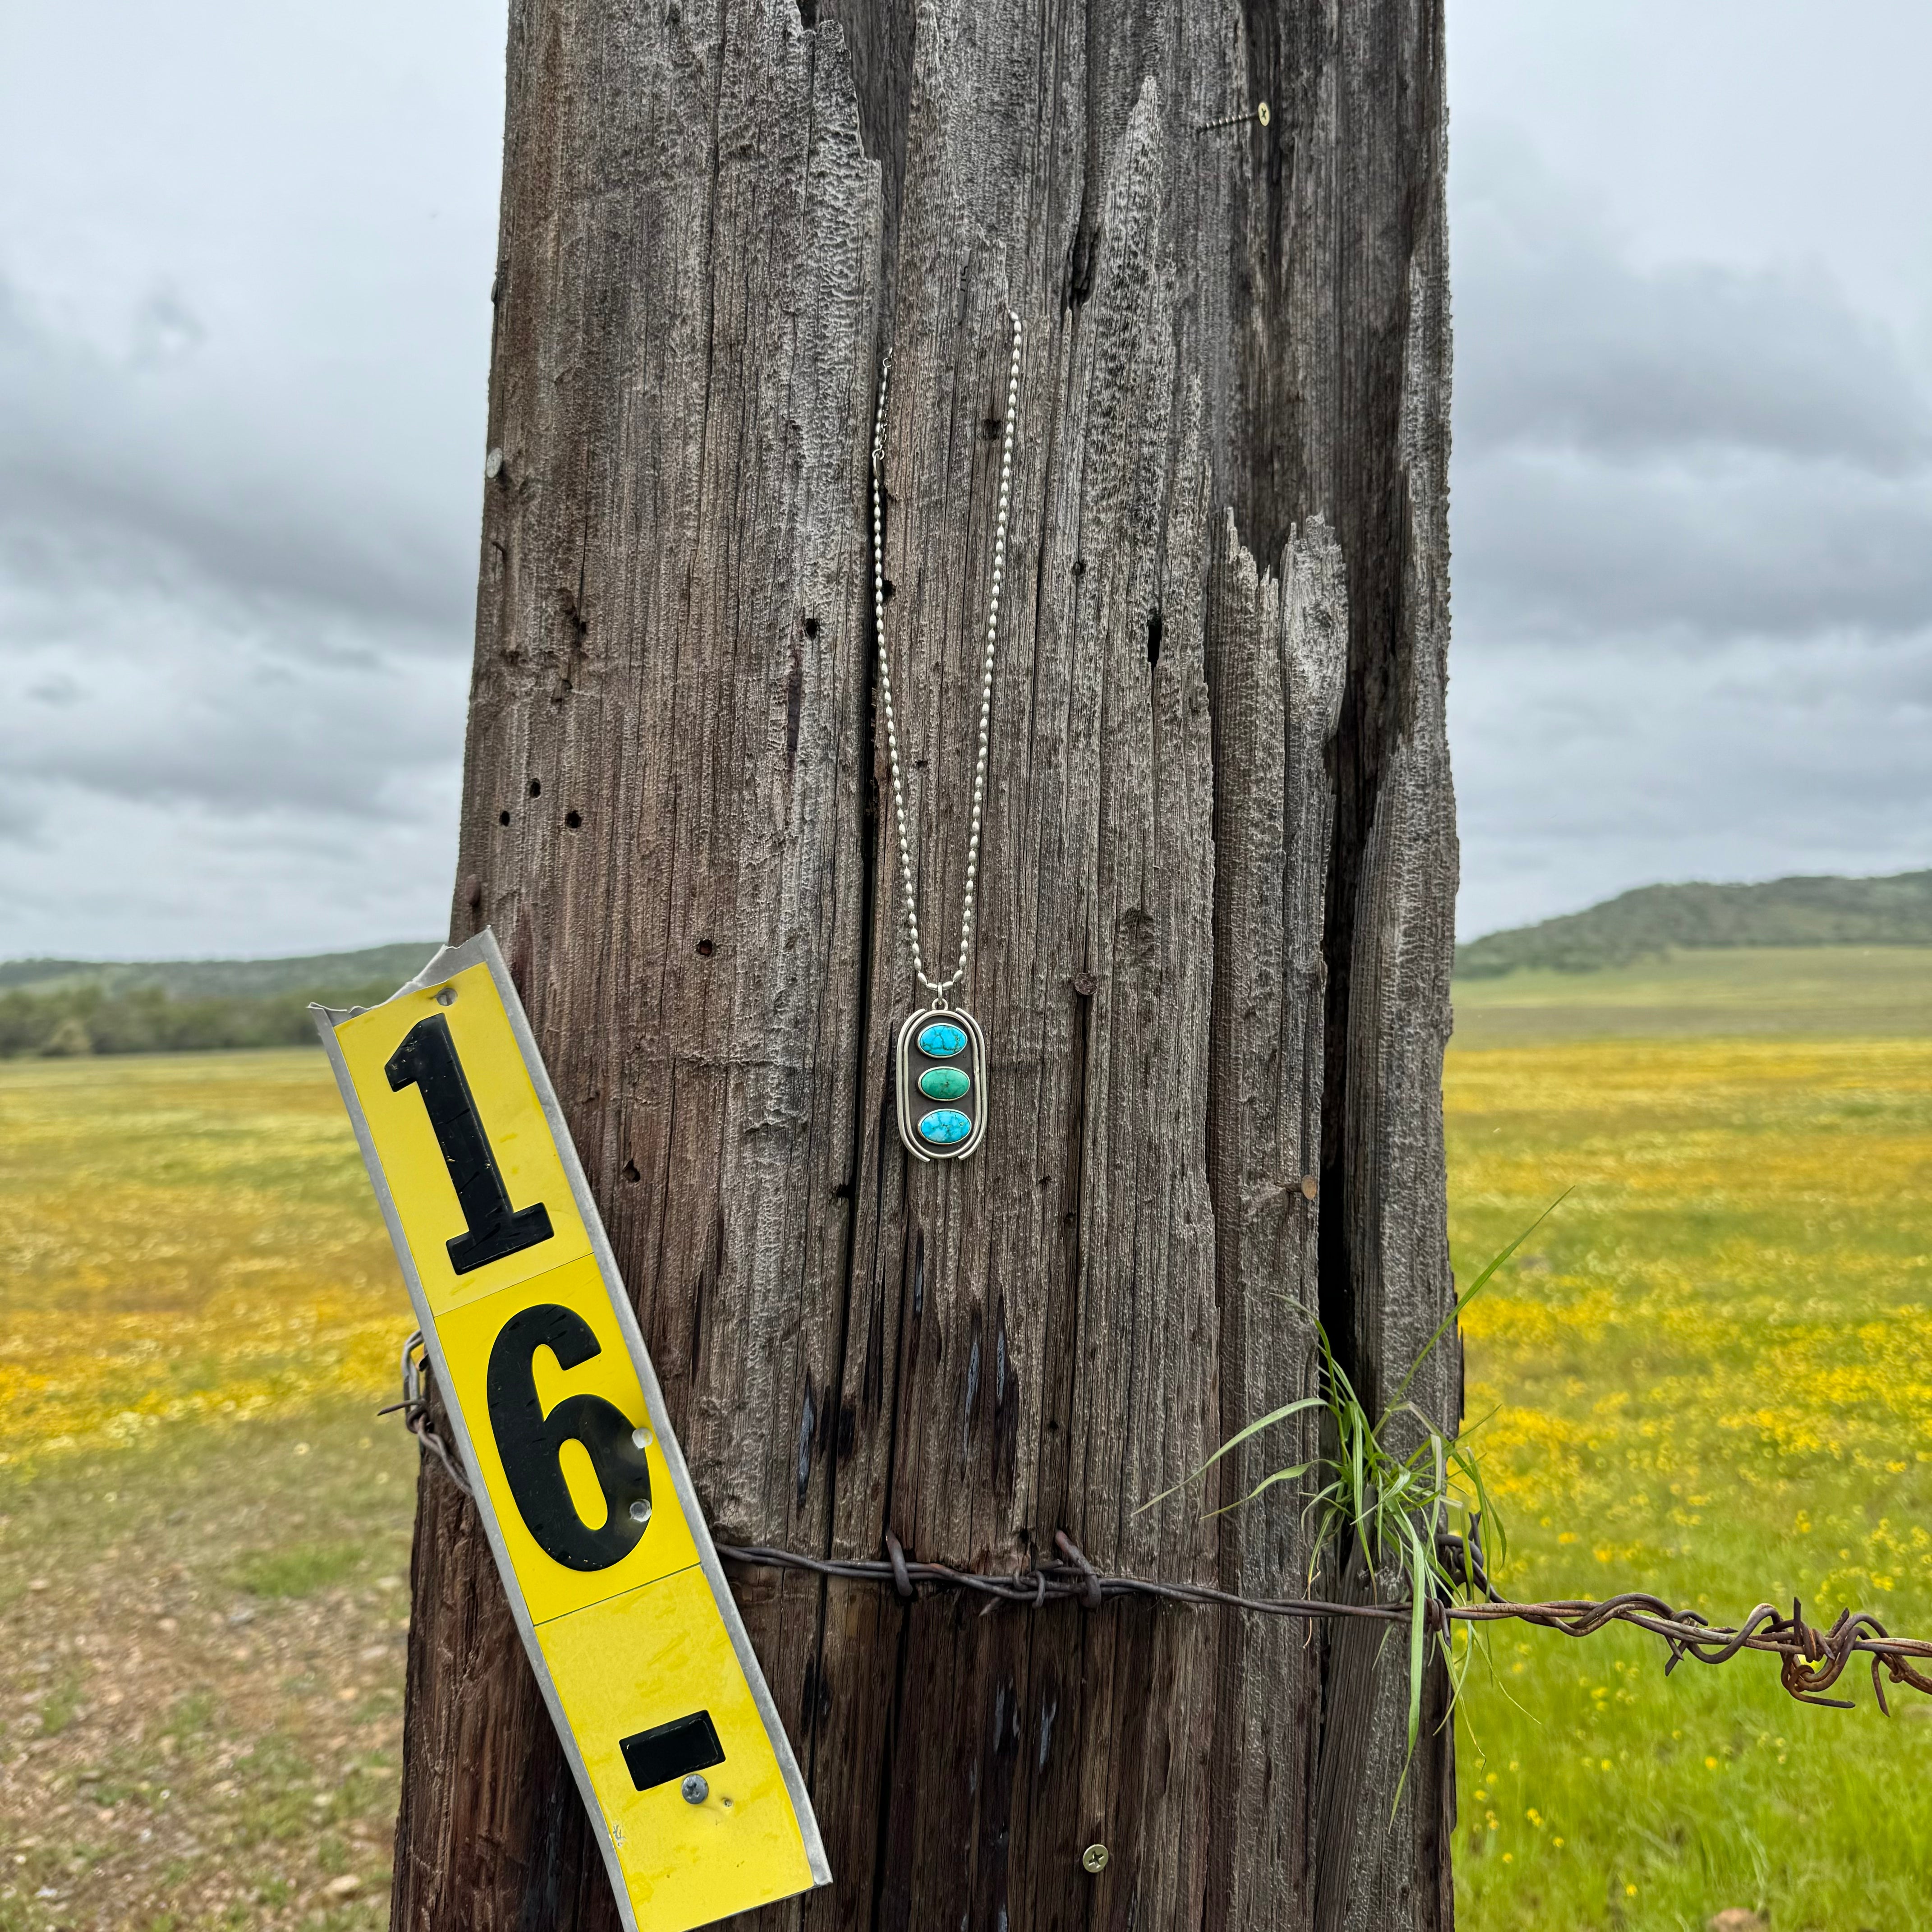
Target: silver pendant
{"x":941,"y":1058}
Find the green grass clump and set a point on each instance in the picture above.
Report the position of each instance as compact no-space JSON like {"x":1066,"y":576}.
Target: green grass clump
{"x":301,"y":1569}
{"x":1397,"y":1507}
{"x":57,"y":1708}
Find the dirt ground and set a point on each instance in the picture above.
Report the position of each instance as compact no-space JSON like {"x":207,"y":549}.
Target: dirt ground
{"x":201,"y":1669}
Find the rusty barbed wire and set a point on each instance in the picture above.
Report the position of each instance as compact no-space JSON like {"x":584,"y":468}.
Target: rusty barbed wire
{"x":414,"y":1409}
{"x":1811,"y":1660}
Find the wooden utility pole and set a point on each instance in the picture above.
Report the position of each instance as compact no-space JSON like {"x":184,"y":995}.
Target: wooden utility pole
{"x":1216,"y":901}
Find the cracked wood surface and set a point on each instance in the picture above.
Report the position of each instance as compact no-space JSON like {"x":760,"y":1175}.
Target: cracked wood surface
{"x":1215,"y":900}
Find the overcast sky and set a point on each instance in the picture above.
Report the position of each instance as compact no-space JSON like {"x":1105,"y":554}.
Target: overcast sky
{"x":244,"y":260}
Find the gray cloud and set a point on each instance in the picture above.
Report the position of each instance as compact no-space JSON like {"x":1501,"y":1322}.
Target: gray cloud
{"x":1693,"y":522}
{"x":115,"y":878}
{"x":243,"y":326}
{"x":189,"y":618}
{"x":167,"y":701}
{"x":1687,"y":450}
{"x":1565,"y":343}
{"x":242,"y":338}
{"x":1704,"y":546}
{"x":1581,"y":774}
{"x":140,"y":466}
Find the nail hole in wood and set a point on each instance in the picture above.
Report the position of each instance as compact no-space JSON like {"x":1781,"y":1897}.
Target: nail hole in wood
{"x":573,"y":819}
{"x":536,"y":787}
{"x":1153,"y":635}
{"x":705,"y":949}
{"x":502,"y":818}
{"x":811,"y":627}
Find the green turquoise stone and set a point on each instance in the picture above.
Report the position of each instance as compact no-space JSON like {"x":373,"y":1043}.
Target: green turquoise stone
{"x":944,"y":1126}
{"x":943,"y":1083}
{"x":941,"y":1040}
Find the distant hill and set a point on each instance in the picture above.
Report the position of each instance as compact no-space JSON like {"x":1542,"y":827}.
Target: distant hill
{"x":1658,"y":919}
{"x":312,"y":973}
{"x":59,"y":1007}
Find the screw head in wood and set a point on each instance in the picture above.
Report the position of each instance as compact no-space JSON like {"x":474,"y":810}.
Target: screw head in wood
{"x":493,"y":464}
{"x":695,"y":1789}
{"x":1262,"y":113}
{"x":1094,"y":1858}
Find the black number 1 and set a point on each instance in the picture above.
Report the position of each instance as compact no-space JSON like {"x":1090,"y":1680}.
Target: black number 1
{"x":427,"y":1060}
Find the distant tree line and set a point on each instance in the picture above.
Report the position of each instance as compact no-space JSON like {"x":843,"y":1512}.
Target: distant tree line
{"x":62,"y":1021}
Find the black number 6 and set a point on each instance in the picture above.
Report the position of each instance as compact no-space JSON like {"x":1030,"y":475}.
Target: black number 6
{"x":530,"y":1442}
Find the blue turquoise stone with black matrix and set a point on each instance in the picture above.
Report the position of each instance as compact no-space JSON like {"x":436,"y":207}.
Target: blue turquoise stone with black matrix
{"x":944,"y":1083}
{"x":941,"y":1041}
{"x":943,"y":1126}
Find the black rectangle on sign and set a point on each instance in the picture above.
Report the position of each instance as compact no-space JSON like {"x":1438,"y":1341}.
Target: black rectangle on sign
{"x":671,"y":1750}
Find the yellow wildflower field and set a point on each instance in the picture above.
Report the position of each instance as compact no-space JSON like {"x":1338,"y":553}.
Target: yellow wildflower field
{"x":1709,"y":1376}
{"x":203,"y":1528}
{"x":188,"y":1236}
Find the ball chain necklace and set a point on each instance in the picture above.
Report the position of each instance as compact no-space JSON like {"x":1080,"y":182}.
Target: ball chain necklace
{"x":940,"y":1056}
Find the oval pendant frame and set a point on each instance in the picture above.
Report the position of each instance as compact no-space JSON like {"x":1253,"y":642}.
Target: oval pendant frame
{"x":909,"y":1064}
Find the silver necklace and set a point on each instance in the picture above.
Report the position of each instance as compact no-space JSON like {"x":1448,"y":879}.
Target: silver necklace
{"x":941,"y":1053}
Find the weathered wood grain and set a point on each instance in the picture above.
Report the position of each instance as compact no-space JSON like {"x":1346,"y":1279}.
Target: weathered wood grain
{"x":1218,"y":868}
{"x":1278,"y":651}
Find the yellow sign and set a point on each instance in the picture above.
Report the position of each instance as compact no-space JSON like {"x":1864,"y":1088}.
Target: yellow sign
{"x":698,"y":1802}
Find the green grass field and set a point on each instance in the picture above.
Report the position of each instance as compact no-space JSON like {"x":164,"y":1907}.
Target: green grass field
{"x":1711,"y":1376}
{"x":203,"y":1529}
{"x":1868,"y":992}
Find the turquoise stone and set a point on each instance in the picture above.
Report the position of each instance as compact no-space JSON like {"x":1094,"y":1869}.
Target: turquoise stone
{"x":941,"y":1041}
{"x":943,"y":1083}
{"x":945,"y":1125}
